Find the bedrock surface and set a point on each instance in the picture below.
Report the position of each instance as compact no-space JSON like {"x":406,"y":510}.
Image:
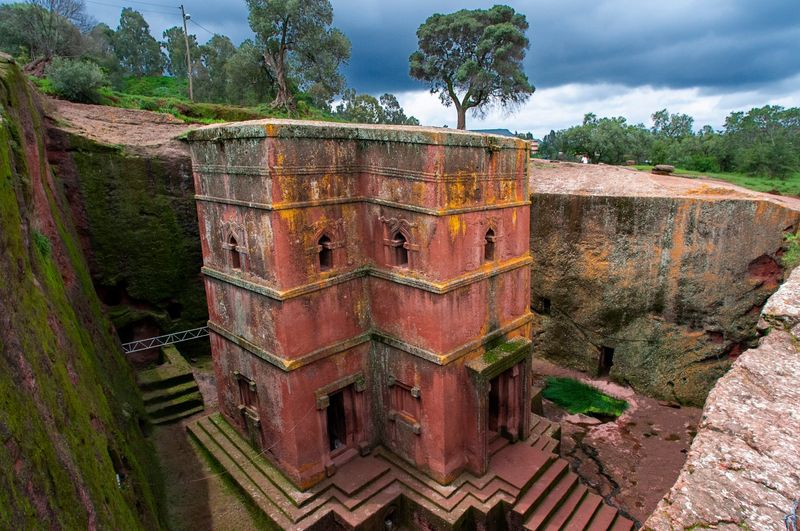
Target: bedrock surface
{"x":670,"y":273}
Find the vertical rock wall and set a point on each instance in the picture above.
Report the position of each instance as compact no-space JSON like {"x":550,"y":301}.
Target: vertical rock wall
{"x":72,"y":455}
{"x":135,"y":214}
{"x":674,"y":285}
{"x":742,"y":469}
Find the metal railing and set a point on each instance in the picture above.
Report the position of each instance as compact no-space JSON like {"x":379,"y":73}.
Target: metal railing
{"x":167,"y":339}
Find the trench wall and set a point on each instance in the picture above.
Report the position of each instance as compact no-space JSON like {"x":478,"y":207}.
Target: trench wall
{"x":742,"y":468}
{"x":137,"y":223}
{"x":674,"y":285}
{"x":72,"y":455}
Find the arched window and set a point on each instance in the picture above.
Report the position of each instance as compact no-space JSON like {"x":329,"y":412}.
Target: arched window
{"x":233,"y":250}
{"x":325,"y":250}
{"x":488,"y":246}
{"x":400,"y":249}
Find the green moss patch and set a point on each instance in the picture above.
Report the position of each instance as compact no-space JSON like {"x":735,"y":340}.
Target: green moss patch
{"x":577,"y":397}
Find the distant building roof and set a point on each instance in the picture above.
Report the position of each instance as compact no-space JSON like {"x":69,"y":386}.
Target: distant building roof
{"x":503,"y":132}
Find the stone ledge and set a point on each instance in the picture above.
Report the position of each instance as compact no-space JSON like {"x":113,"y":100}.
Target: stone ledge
{"x":440,"y":212}
{"x":439,"y":288}
{"x":782,"y":310}
{"x":290,"y":364}
{"x":403,"y":134}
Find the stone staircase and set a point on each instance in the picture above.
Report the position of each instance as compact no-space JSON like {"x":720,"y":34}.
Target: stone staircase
{"x":526,"y":482}
{"x":169,"y":390}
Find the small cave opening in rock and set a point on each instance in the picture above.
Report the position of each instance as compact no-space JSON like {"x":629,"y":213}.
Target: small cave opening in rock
{"x":541,"y":305}
{"x":113,"y":295}
{"x":141,"y":329}
{"x":606,"y":361}
{"x":121,"y":467}
{"x":766,"y":270}
{"x":174,"y":309}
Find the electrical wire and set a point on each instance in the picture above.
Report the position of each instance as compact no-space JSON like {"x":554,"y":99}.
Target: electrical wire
{"x":124,"y":6}
{"x":202,"y":27}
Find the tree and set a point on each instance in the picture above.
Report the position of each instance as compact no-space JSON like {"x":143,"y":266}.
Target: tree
{"x":765,"y":140}
{"x":672,"y":126}
{"x":299,"y":47}
{"x":175,"y":45}
{"x":366,"y":109}
{"x":473,"y":59}
{"x":248,"y":81}
{"x":211,"y":78}
{"x":37,"y":33}
{"x":51,"y":20}
{"x":393,"y":113}
{"x":360,"y":108}
{"x":138,"y":52}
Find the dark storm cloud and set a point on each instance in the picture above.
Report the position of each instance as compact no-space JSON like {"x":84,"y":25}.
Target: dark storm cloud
{"x":718,"y":45}
{"x":713,"y":44}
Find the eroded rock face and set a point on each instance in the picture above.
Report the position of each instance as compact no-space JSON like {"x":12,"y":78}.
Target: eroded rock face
{"x":663,"y":290}
{"x":131,"y":192}
{"x":742,"y":470}
{"x":72,"y":453}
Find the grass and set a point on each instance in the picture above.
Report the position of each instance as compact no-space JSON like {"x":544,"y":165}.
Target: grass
{"x":788,"y":186}
{"x":577,"y":397}
{"x":169,"y":95}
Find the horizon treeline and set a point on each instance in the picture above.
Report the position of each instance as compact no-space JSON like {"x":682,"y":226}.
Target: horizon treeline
{"x":764,"y":141}
{"x":36,"y":32}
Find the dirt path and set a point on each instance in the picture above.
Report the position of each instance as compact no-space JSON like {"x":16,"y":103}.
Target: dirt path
{"x":197,"y":497}
{"x":633,"y":461}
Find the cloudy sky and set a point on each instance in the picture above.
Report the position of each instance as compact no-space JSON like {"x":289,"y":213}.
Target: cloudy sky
{"x":611,"y":57}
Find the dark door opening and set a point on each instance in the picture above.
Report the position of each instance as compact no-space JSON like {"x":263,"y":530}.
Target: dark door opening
{"x":494,"y":406}
{"x":606,"y":361}
{"x":337,"y":426}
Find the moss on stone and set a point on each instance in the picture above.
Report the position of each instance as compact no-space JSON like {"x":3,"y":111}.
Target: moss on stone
{"x":68,"y":404}
{"x":142,"y":224}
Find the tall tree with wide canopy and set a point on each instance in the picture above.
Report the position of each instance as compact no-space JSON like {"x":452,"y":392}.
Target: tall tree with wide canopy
{"x":42,"y":30}
{"x":138,"y":52}
{"x":175,"y":45}
{"x":300,"y":46}
{"x":212,"y":75}
{"x":473,"y":59}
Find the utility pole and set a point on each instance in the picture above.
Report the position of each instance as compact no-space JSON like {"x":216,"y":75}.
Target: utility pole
{"x":188,"y":53}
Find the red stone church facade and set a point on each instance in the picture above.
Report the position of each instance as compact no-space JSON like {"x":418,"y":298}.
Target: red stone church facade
{"x":367,"y":286}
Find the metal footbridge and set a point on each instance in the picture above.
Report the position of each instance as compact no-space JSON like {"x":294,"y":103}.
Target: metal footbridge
{"x":167,"y":339}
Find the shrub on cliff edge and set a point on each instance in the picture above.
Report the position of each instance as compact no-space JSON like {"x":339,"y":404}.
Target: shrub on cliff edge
{"x":76,"y":80}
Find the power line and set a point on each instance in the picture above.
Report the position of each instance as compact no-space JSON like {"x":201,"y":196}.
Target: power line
{"x":124,"y":6}
{"x":202,"y":27}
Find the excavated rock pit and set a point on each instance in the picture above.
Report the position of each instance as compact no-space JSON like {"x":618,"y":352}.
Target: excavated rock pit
{"x":742,"y":470}
{"x":657,"y":281}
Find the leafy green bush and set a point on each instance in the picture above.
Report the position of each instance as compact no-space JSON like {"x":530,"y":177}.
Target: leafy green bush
{"x":791,"y":257}
{"x":159,"y":87}
{"x":577,"y":397}
{"x":76,"y":80}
